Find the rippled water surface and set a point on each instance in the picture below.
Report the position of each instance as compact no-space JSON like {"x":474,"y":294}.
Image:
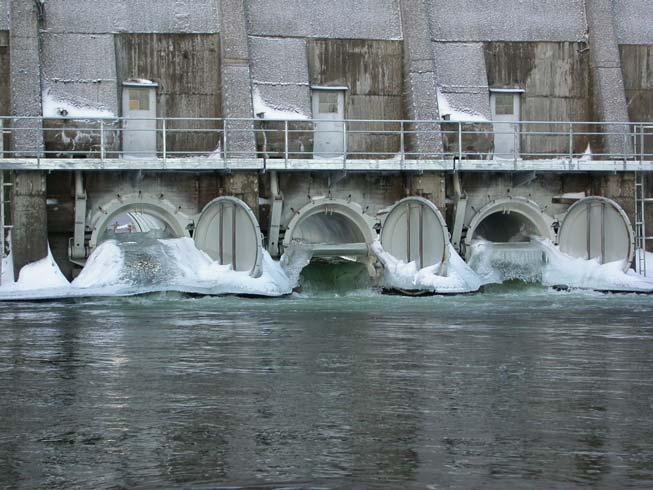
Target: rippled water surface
{"x":507,"y":389}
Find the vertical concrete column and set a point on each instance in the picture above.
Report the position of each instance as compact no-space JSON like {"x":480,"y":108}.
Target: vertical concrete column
{"x":29,"y":235}
{"x":609,"y":95}
{"x":29,"y":214}
{"x":25,"y":69}
{"x":236,"y":79}
{"x":420,"y":83}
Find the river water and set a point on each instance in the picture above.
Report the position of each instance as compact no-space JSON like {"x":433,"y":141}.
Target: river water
{"x":518,"y":387}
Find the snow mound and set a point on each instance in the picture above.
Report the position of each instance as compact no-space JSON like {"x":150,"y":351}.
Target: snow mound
{"x":458,"y":277}
{"x":42,"y":274}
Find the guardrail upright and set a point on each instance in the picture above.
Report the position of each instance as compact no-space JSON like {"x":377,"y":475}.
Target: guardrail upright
{"x":402,"y":148}
{"x":460,"y":142}
{"x":571,"y":143}
{"x":344,"y":145}
{"x":285,"y":143}
{"x":224,"y":141}
{"x":164,"y":141}
{"x":102,"y":139}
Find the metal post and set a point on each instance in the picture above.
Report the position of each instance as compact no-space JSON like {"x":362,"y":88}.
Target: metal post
{"x":224,"y":140}
{"x":344,"y":144}
{"x":285,"y":144}
{"x":571,"y":142}
{"x":514,"y":146}
{"x":402,"y":155}
{"x":460,"y":142}
{"x":101,"y":140}
{"x":164,"y":141}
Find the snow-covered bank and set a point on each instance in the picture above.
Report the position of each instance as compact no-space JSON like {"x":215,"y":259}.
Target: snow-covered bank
{"x":455,"y":277}
{"x":152,"y":265}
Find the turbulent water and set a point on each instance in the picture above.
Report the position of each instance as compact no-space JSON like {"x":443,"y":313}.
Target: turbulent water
{"x":512,"y":388}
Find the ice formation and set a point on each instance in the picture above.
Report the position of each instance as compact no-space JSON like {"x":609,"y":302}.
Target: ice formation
{"x":455,"y":277}
{"x":539,"y":261}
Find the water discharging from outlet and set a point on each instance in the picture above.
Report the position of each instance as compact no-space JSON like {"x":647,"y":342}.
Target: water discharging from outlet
{"x":508,"y":261}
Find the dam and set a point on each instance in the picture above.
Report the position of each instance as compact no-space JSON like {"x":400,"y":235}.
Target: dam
{"x":402,"y":131}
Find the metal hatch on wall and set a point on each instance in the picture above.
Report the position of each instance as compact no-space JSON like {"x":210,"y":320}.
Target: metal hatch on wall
{"x":139,"y":125}
{"x":329,"y":114}
{"x":597,"y":228}
{"x":228,"y":231}
{"x":414,"y":230}
{"x":506,"y":106}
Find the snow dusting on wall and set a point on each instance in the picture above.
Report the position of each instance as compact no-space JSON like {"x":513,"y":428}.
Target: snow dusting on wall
{"x":89,"y":75}
{"x":362,"y":19}
{"x":280,"y":76}
{"x":103,"y":16}
{"x":462,"y":81}
{"x":508,"y":20}
{"x":632,"y":21}
{"x":4,"y":15}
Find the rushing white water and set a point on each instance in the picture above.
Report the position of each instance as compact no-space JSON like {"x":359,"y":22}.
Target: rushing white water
{"x":455,"y":276}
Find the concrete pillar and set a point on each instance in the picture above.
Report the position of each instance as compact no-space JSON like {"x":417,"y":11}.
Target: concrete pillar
{"x":236,"y":79}
{"x":609,"y":95}
{"x":30,"y":220}
{"x":419,"y":74}
{"x":29,"y":214}
{"x":25,"y":68}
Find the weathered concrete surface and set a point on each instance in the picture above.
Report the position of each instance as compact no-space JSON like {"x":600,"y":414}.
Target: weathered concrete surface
{"x":420,"y":98}
{"x":632,"y":21}
{"x":236,"y":76}
{"x":25,"y":63}
{"x":4,"y":15}
{"x":107,"y":16}
{"x":637,"y":67}
{"x":280,"y":73}
{"x":610,"y":98}
{"x":362,"y":19}
{"x":5,"y":77}
{"x":29,"y":218}
{"x":244,"y":186}
{"x":429,"y":185}
{"x":88,"y":77}
{"x":372,"y":71}
{"x":557,"y":83}
{"x":507,"y":20}
{"x":187,"y":69}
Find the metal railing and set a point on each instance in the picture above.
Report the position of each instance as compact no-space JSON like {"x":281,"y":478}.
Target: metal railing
{"x":310,"y":139}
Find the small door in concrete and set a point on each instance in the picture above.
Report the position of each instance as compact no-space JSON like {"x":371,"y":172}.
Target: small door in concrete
{"x":597,"y":228}
{"x":228,"y":232}
{"x":505,"y":112}
{"x":139,"y":125}
{"x":329,"y":113}
{"x":414,"y":230}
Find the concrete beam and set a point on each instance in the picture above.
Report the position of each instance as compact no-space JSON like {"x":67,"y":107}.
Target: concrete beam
{"x":609,"y":94}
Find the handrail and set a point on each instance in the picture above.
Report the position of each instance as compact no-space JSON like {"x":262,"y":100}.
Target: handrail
{"x":224,"y":139}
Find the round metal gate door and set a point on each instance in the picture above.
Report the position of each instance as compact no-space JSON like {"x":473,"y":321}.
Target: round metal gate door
{"x":414,"y":230}
{"x":597,"y":228}
{"x":228,"y":232}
